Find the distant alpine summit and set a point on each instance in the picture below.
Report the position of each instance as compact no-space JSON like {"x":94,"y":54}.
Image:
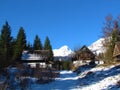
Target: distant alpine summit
{"x":63,"y":51}
{"x":97,"y":46}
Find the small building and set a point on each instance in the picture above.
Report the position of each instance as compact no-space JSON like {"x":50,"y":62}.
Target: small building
{"x":84,"y":55}
{"x":116,"y":52}
{"x":36,"y":58}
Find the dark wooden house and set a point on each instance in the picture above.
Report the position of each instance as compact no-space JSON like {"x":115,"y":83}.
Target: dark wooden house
{"x":84,"y":55}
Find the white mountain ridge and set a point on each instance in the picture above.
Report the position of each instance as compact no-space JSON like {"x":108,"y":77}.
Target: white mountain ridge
{"x":63,"y":51}
{"x":96,"y":47}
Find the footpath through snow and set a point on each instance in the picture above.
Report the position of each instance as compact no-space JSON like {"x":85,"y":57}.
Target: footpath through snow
{"x":67,"y":80}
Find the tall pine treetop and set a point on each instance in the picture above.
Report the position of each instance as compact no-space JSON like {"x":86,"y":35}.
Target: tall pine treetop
{"x":21,"y":38}
{"x":47,"y":46}
{"x":5,"y":45}
{"x":6,"y":33}
{"x":37,"y":45}
{"x":20,"y":44}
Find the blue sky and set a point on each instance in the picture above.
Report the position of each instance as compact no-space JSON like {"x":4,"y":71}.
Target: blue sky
{"x":65,"y":22}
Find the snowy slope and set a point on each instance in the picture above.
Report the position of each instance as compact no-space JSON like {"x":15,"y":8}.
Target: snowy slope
{"x":63,"y":51}
{"x":100,"y":78}
{"x":97,"y":46}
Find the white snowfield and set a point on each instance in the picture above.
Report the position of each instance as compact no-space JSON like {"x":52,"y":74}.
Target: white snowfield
{"x":106,"y":79}
{"x":97,"y":46}
{"x":102,"y":85}
{"x":63,"y":51}
{"x":67,"y":78}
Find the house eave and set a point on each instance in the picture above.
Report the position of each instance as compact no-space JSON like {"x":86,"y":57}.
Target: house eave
{"x":116,"y":55}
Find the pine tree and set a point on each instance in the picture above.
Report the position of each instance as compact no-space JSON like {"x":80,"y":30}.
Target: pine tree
{"x":37,"y":45}
{"x":5,"y":45}
{"x":20,"y":44}
{"x":29,"y":46}
{"x":47,"y":46}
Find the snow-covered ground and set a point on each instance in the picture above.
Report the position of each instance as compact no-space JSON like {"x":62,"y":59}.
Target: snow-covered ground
{"x":66,"y":81}
{"x":97,"y":78}
{"x":100,"y":78}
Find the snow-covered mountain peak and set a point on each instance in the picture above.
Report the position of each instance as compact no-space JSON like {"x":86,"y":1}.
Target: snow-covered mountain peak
{"x":97,"y":46}
{"x":65,"y":48}
{"x":63,"y":51}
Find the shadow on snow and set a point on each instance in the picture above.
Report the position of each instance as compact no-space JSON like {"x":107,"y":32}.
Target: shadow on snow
{"x":94,"y":77}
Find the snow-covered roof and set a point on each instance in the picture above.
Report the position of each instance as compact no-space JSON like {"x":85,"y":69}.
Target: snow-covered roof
{"x":35,"y":55}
